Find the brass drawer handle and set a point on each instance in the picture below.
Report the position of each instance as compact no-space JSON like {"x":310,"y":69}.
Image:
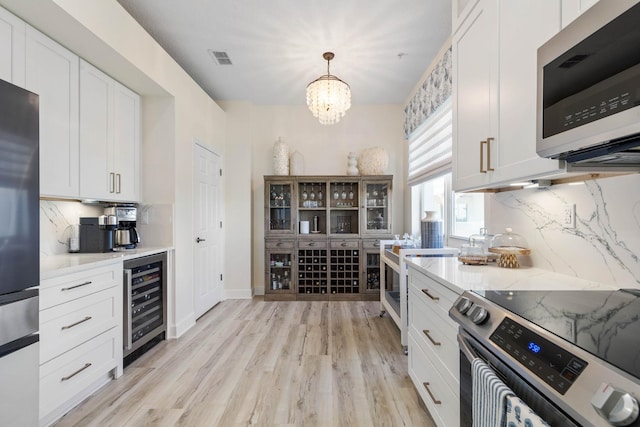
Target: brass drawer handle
{"x":376,"y":245}
{"x":312,"y":243}
{"x":76,"y":286}
{"x":68,"y":377}
{"x":482,"y":169}
{"x":433,"y":398}
{"x":343,"y":244}
{"x":434,"y":298}
{"x":279,"y":244}
{"x":76,"y":324}
{"x":434,"y":342}
{"x":489,"y":168}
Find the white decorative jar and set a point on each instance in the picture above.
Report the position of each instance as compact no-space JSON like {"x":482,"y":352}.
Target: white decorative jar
{"x":280,"y":157}
{"x":373,"y":161}
{"x":352,"y":164}
{"x":296,"y":164}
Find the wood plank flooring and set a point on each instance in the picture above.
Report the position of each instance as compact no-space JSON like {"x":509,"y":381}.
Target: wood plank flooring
{"x":251,"y":362}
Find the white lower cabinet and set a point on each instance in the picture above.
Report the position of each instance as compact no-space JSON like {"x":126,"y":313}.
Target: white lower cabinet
{"x":434,"y":361}
{"x":80,"y":337}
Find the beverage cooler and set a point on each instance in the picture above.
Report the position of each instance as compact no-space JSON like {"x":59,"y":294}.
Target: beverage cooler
{"x":145,"y":304}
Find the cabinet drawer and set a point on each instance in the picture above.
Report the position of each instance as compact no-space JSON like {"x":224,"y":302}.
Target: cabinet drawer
{"x":66,"y":326}
{"x":437,"y":295}
{"x":441,"y":397}
{"x":312,"y":244}
{"x":279,"y":244}
{"x":433,"y":333}
{"x":62,"y":378}
{"x":66,"y":288}
{"x":371,"y":244}
{"x":345,"y":244}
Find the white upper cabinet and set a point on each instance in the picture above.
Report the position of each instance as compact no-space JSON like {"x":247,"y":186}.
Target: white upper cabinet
{"x":109,"y":137}
{"x":571,"y":9}
{"x":494,"y":92}
{"x":52,"y":73}
{"x":12,"y":48}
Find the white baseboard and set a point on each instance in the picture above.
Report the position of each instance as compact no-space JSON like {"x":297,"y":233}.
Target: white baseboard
{"x":177,"y":330}
{"x":238,"y":294}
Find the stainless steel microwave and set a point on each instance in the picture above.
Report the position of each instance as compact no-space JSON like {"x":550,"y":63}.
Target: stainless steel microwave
{"x":588,"y":105}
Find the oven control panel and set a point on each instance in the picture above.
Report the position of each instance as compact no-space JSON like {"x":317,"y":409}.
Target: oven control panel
{"x":552,"y":364}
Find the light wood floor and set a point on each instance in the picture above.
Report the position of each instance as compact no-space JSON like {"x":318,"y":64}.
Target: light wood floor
{"x":251,"y":362}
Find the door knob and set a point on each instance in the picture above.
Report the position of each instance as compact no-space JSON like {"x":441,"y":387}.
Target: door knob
{"x":198,"y":240}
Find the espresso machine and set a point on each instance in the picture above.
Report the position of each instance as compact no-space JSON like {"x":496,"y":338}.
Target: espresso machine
{"x":126,"y":235}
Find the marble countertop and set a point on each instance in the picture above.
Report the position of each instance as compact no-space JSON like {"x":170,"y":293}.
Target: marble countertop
{"x":460,"y":277}
{"x":58,"y":265}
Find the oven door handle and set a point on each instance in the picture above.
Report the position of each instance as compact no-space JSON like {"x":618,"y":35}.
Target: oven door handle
{"x":465,"y":348}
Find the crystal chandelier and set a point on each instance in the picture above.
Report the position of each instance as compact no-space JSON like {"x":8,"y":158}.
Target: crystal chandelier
{"x":328,"y":97}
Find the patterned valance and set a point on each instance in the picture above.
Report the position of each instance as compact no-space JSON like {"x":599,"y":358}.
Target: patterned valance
{"x":435,"y":89}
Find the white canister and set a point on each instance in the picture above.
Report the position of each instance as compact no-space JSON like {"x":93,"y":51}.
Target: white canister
{"x":304,"y":227}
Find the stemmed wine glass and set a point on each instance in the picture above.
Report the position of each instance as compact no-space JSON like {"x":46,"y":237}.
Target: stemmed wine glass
{"x":312,"y":195}
{"x":351,"y":192}
{"x":304,"y":192}
{"x":344,"y":193}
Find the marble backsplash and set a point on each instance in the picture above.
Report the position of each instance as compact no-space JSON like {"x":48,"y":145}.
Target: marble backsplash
{"x":57,"y":217}
{"x":605,"y":244}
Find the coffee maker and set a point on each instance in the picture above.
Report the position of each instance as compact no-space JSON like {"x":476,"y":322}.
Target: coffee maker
{"x":126,"y":235}
{"x":97,"y":234}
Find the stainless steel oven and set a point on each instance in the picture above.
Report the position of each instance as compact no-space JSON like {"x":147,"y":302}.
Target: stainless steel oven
{"x":570,"y":356}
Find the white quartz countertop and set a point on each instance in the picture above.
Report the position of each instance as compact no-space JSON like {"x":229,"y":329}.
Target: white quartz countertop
{"x":58,"y":265}
{"x":460,"y":277}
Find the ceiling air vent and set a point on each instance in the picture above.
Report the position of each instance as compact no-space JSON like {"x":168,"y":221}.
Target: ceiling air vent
{"x":220,"y":57}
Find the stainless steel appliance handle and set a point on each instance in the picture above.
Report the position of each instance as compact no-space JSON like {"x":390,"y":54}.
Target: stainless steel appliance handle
{"x":127,"y":327}
{"x":465,"y":348}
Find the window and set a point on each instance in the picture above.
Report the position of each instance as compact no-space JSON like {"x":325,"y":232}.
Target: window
{"x":429,"y":177}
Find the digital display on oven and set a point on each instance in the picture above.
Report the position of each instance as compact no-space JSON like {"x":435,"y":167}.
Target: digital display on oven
{"x":549,"y":362}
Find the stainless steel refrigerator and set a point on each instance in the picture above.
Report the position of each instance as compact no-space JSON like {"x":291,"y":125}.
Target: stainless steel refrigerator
{"x":19,"y":256}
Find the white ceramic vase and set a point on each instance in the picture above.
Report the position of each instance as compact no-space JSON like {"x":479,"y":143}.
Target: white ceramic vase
{"x":280,"y":157}
{"x":296,"y":164}
{"x":352,"y":164}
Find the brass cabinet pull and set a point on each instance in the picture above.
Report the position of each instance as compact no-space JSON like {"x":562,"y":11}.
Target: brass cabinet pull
{"x":376,"y":245}
{"x":77,"y":323}
{"x":433,"y":297}
{"x":433,"y":398}
{"x":482,"y":169}
{"x":118,"y":180}
{"x":279,"y":244}
{"x":68,"y":377}
{"x":76,"y":286}
{"x":489,"y":168}
{"x":312,"y":243}
{"x":434,"y":342}
{"x":343,"y":244}
{"x":112,"y":182}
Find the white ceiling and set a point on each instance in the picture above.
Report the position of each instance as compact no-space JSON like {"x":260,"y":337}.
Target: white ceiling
{"x":382,"y":47}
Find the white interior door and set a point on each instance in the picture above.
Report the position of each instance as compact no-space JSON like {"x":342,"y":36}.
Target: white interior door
{"x":207,"y":226}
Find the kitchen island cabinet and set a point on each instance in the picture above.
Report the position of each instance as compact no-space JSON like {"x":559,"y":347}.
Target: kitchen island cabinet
{"x":494,"y":92}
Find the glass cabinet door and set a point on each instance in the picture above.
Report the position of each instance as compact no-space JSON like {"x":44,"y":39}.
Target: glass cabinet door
{"x":280,"y":271}
{"x":377,"y":212}
{"x":343,"y":208}
{"x":279,"y":216}
{"x":312,"y":202}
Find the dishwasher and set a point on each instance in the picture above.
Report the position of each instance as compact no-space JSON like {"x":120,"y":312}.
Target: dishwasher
{"x":145,"y":304}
